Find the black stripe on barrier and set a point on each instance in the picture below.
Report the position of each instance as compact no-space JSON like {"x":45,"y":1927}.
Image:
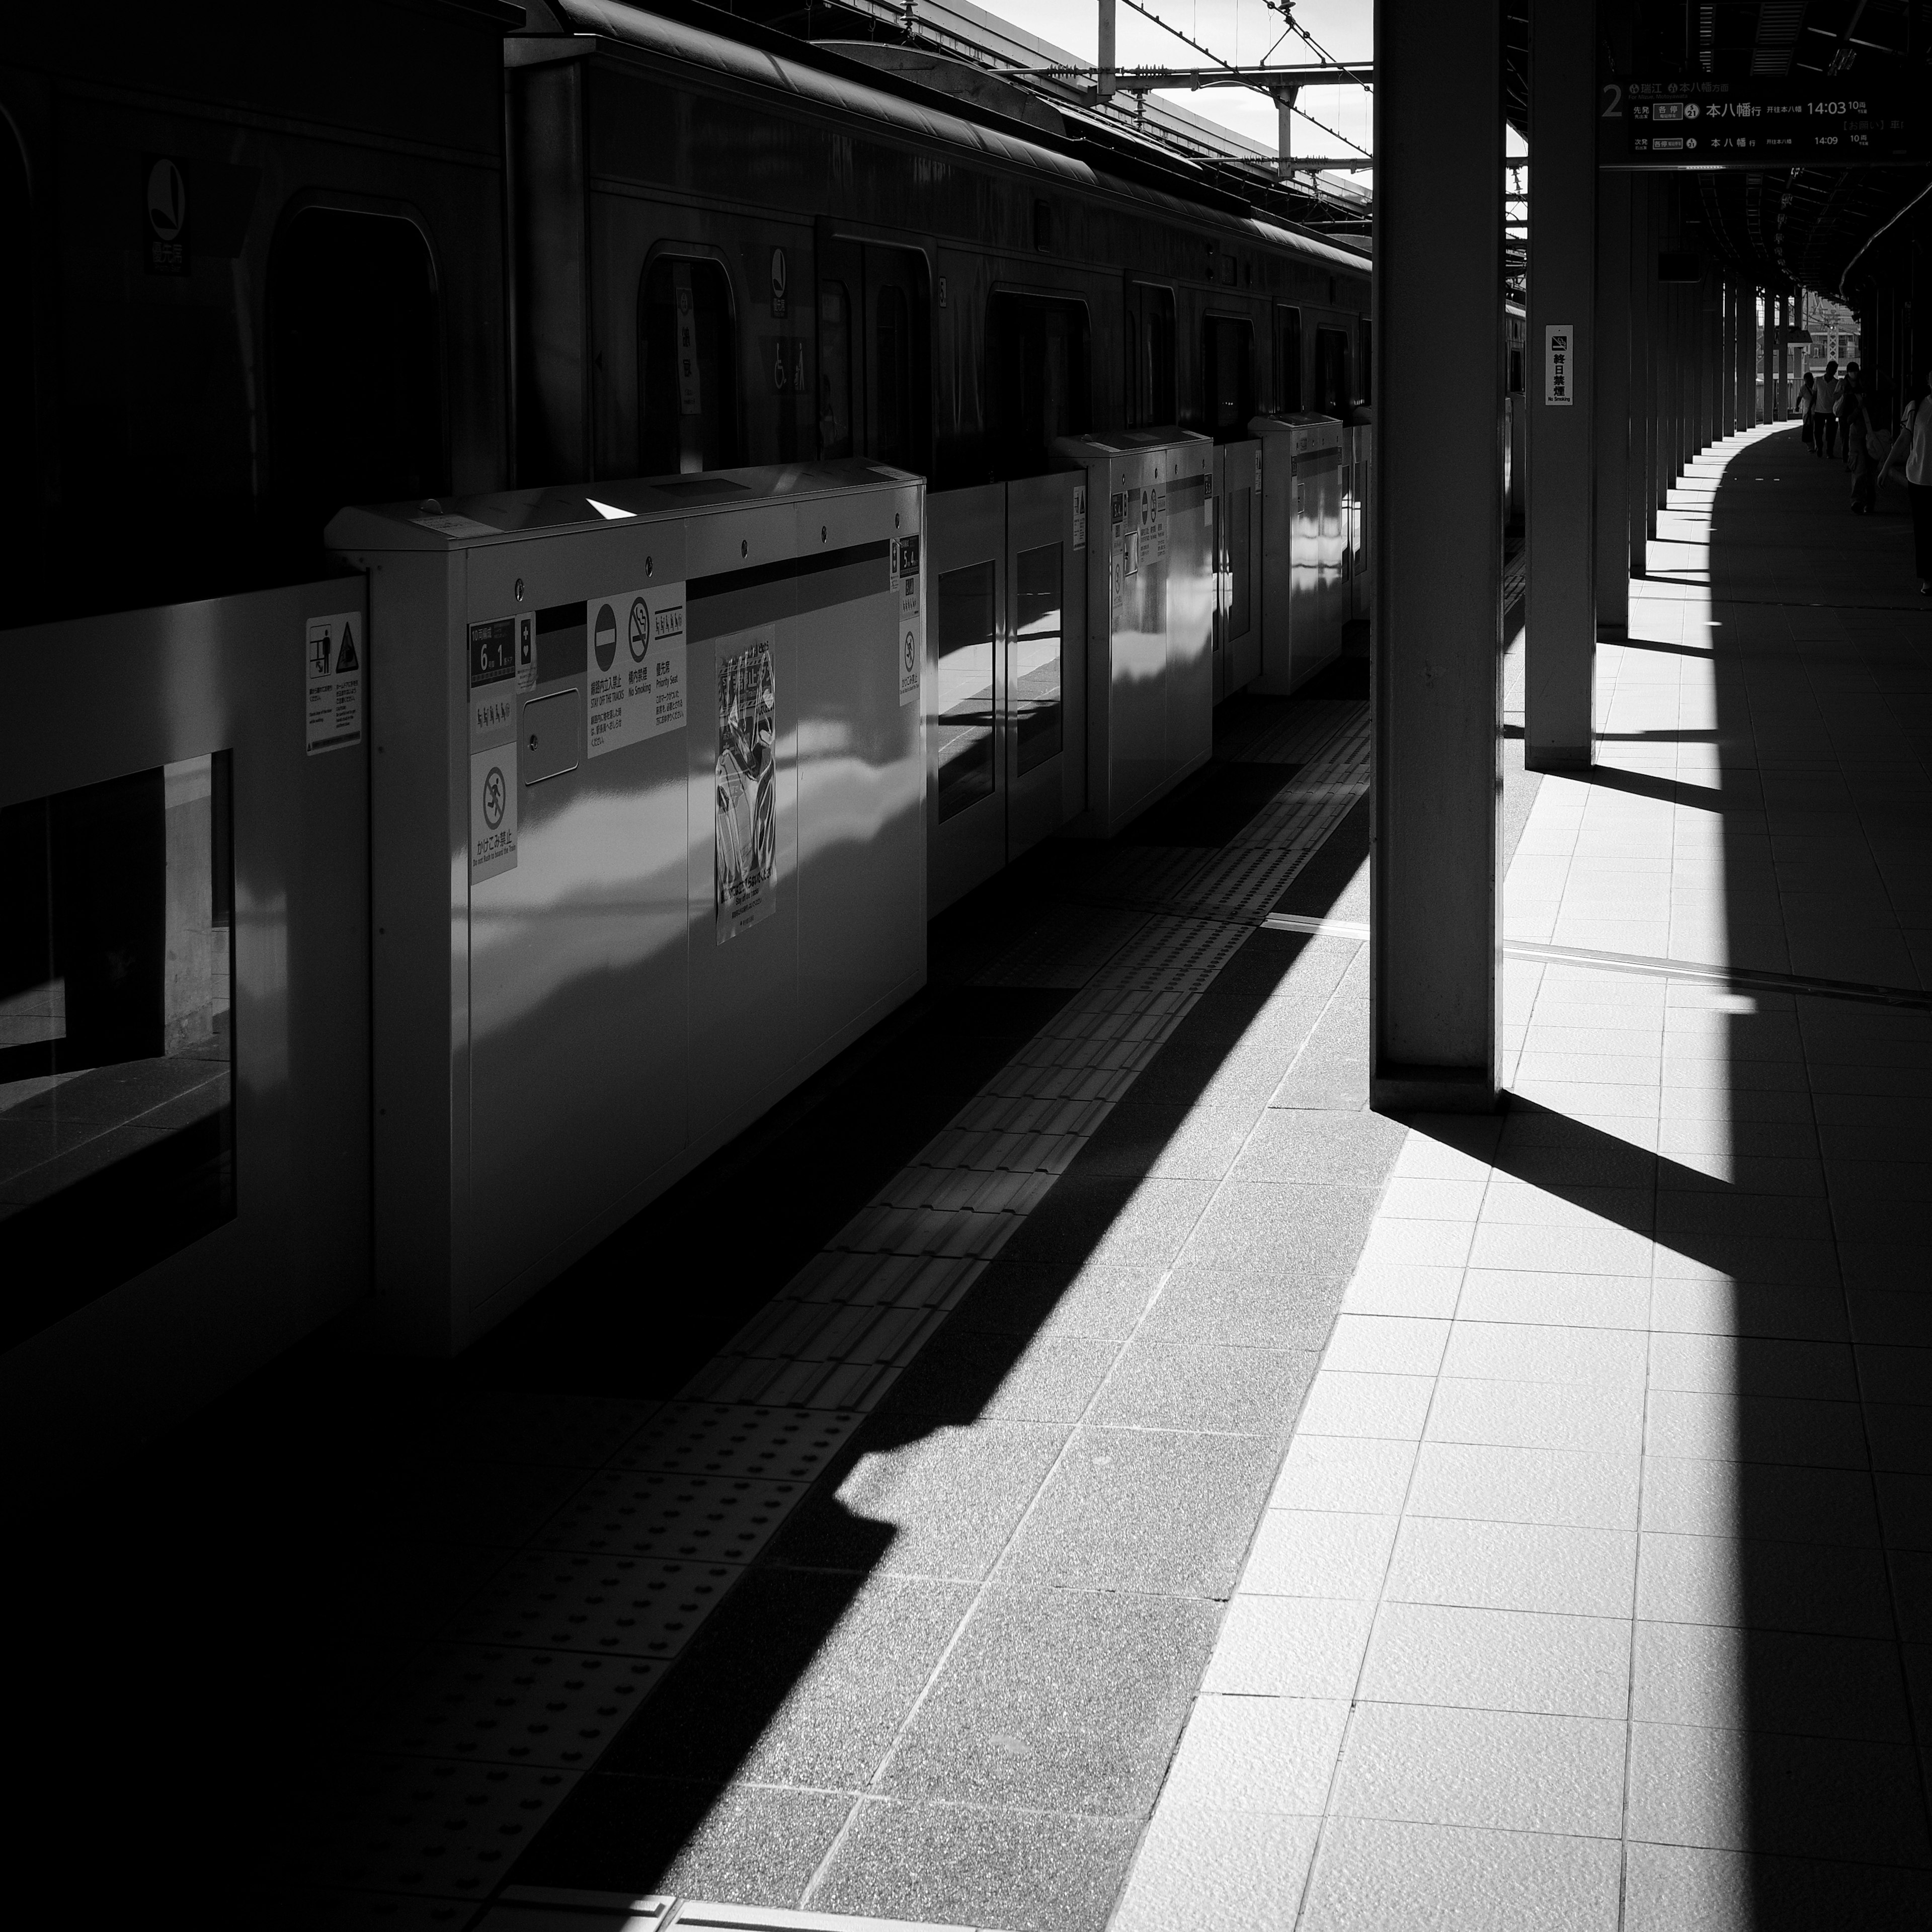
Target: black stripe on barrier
{"x":1313,"y":460}
{"x":754,"y":576}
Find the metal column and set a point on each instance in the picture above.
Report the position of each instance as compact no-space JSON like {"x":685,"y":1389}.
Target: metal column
{"x":1642,"y":382}
{"x":1560,"y":607}
{"x":1613,"y":400}
{"x":1437,"y":773}
{"x":1764,"y":358}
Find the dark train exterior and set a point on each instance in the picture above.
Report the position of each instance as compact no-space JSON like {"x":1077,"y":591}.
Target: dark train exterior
{"x":869,"y":272}
{"x":392,"y":250}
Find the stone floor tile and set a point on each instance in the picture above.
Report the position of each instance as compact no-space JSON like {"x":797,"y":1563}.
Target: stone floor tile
{"x":1601,"y":1419}
{"x":1534,"y":1352}
{"x":1499,"y":1770}
{"x":1764,"y":1429}
{"x":1273,"y":1754}
{"x":1783,"y":1501}
{"x":1754,"y":1583}
{"x":1318,"y":1553}
{"x":1489,"y":1484}
{"x":1361,"y":1474}
{"x":1241,"y":1870}
{"x":1401,"y":1288}
{"x":1342,"y":1403}
{"x":1807,"y":1685}
{"x":1289,"y":1647}
{"x":1513,"y":1567}
{"x":935,"y":1863}
{"x":1385,"y":1345}
{"x":1819,"y":1797}
{"x":1563,"y":1300}
{"x":1498,"y":1661}
{"x":1667,"y":1888}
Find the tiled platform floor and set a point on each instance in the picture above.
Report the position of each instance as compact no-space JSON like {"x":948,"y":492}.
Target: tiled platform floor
{"x":1595,"y":1590}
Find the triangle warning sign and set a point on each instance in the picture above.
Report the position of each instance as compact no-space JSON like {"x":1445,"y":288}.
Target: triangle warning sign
{"x":346,"y":658}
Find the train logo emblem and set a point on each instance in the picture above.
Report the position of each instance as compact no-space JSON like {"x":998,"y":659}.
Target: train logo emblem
{"x":640,"y":630}
{"x":604,"y":639}
{"x":496,"y":795}
{"x":780,"y":276}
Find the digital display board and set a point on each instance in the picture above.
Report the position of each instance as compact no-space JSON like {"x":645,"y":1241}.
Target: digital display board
{"x":1791,"y":120}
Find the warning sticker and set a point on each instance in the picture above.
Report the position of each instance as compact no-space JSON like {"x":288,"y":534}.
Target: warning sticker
{"x":636,"y":667}
{"x":908,"y":575}
{"x":333,"y":663}
{"x":493,"y":812}
{"x":493,"y":682}
{"x":747,"y":835}
{"x":526,"y":652}
{"x":910,"y":652}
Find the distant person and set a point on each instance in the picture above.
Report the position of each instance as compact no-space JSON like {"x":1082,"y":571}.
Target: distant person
{"x":1805,"y":407}
{"x":1824,"y":436}
{"x":1915,"y":441}
{"x":1851,"y":395}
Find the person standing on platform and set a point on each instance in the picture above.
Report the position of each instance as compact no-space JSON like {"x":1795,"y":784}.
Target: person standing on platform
{"x":1825,"y":434}
{"x":1805,"y":407}
{"x":1914,"y":439}
{"x":1851,"y":394}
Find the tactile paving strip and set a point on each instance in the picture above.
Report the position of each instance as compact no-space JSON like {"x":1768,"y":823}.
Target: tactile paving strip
{"x":428,"y":1826}
{"x":496,"y":1705}
{"x":655,"y":1512}
{"x":607,"y":1606}
{"x":719,"y":1439}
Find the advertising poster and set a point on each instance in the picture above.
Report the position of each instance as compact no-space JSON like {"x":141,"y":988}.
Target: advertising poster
{"x":747,"y":794}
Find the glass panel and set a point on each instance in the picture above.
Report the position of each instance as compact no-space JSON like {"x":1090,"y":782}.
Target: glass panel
{"x":1228,"y":350}
{"x":1033,"y":694}
{"x":1239,"y":507}
{"x":835,"y":370}
{"x":687,"y":369}
{"x":965,"y":642}
{"x":1036,"y":380}
{"x":1150,"y":355}
{"x":117,"y":1110}
{"x":1331,"y":371}
{"x":1287,"y":373}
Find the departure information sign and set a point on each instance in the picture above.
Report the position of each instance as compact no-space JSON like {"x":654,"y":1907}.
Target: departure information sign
{"x":1789,"y":122}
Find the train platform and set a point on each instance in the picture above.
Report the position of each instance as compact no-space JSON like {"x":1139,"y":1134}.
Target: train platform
{"x":1103,"y":1475}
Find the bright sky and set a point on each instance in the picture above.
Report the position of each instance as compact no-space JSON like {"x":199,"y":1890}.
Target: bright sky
{"x":1239,"y":32}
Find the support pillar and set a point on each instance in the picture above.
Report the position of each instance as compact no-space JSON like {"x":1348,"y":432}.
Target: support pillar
{"x":1747,"y":352}
{"x":1643,"y":392}
{"x":1613,"y":404}
{"x":1727,"y":387}
{"x":1764,"y":413}
{"x":1437,"y":774}
{"x":1560,"y":606}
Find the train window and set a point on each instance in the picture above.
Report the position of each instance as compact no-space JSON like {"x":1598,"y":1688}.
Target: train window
{"x":116,"y":1070}
{"x":1331,"y":371}
{"x":1288,"y":358}
{"x":687,"y":368}
{"x":835,"y":370}
{"x":1149,"y":398}
{"x":356,"y":386}
{"x":1227,"y":373}
{"x":1033,"y":694}
{"x":1036,"y":380}
{"x":1516,"y":371}
{"x":965,"y":644}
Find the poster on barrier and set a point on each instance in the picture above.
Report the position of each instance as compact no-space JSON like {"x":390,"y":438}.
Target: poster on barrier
{"x":747,"y":783}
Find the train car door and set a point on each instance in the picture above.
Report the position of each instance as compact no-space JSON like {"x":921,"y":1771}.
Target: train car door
{"x":1238,"y":549}
{"x":1043,"y":719}
{"x":875,"y":353}
{"x":966,"y":758}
